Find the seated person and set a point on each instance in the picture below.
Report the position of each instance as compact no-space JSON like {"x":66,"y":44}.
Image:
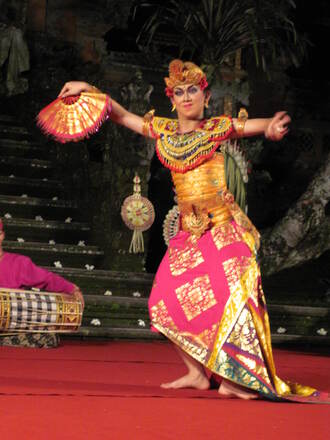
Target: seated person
{"x":19,"y":272}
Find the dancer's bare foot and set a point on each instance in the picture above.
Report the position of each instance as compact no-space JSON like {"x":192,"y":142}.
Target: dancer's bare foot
{"x":232,"y":390}
{"x":198,"y":381}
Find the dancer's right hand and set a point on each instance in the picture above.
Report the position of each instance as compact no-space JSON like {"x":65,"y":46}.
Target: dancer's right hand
{"x":73,"y":88}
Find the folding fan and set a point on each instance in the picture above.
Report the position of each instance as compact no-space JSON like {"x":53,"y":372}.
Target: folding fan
{"x":73,"y":118}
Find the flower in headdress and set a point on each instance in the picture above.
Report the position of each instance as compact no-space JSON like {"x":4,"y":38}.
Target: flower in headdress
{"x":203,"y":83}
{"x":169,"y":92}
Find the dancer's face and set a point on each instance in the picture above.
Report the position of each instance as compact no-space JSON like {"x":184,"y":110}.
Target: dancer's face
{"x":189,"y":100}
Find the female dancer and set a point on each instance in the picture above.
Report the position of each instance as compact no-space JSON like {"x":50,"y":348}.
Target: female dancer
{"x":207,"y":296}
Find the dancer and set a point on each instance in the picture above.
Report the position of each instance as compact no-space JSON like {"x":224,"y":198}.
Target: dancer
{"x":19,"y":272}
{"x":207,"y":296}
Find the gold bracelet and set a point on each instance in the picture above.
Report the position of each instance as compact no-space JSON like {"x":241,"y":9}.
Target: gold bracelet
{"x":147,"y":118}
{"x":241,"y":120}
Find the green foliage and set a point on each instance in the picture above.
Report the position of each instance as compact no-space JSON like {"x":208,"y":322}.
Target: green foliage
{"x":234,"y":181}
{"x":211,"y":31}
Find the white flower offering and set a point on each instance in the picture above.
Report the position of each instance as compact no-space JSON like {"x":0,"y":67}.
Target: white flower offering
{"x":281,"y":330}
{"x":322,"y":331}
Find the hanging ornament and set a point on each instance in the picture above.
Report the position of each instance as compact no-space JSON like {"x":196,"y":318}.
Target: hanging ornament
{"x":74,"y":118}
{"x":138,"y":214}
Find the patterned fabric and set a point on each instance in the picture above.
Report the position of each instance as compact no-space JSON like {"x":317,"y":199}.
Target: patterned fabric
{"x":215,"y":311}
{"x":183,"y":152}
{"x":31,"y":340}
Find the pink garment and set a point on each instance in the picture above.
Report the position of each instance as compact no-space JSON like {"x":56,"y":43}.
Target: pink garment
{"x":18,"y":272}
{"x":191,"y":287}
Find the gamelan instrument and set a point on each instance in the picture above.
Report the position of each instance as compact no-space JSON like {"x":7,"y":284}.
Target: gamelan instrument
{"x":36,"y":311}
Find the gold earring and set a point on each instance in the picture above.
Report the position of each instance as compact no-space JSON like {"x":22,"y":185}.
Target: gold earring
{"x":206,"y":105}
{"x":173,"y":108}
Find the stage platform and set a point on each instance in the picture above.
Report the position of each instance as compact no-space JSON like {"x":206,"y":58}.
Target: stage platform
{"x":110,"y":390}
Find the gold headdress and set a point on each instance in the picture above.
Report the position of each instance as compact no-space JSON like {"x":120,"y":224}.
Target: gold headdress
{"x":184,"y":72}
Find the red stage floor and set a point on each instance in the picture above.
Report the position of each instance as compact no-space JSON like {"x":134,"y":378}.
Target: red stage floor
{"x":111,"y":391}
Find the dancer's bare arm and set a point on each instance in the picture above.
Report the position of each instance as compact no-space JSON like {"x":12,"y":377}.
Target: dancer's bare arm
{"x":118,"y":114}
{"x":274,"y":128}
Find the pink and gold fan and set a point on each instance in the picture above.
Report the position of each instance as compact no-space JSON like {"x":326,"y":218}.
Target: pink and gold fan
{"x":73,"y":118}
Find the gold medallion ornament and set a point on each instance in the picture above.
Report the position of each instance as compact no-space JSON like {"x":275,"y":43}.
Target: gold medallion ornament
{"x":138,"y":214}
{"x":196,"y":222}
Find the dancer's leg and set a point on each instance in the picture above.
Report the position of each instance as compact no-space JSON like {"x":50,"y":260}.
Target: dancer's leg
{"x":231,"y":389}
{"x":195,"y":378}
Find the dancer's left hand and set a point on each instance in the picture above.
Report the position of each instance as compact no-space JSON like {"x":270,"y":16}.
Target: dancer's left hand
{"x":278,"y":126}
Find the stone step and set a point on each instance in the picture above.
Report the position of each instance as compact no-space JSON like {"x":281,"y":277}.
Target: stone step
{"x":33,"y":230}
{"x":23,"y":149}
{"x":116,"y":333}
{"x":7,"y":119}
{"x":21,"y":167}
{"x":14,"y":131}
{"x":116,"y":311}
{"x":46,"y":254}
{"x":33,"y":187}
{"x":120,"y":284}
{"x":30,"y":207}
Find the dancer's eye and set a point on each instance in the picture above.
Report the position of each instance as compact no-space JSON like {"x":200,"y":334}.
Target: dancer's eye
{"x":192,"y":90}
{"x":178,"y":92}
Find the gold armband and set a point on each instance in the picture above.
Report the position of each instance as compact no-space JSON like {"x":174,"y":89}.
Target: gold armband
{"x":241,"y":120}
{"x":147,"y":118}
